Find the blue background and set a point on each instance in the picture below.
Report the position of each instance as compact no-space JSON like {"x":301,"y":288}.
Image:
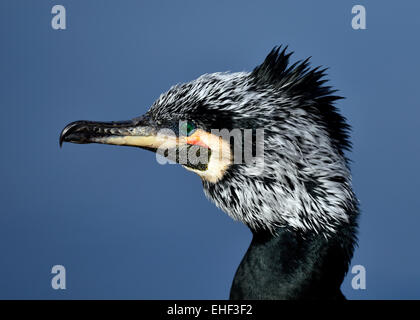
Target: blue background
{"x":125,"y":226}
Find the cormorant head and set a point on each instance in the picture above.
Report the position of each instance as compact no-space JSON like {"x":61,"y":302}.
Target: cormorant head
{"x":268,"y":145}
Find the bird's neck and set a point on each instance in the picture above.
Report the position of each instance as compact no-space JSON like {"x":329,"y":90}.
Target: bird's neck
{"x":290,"y":266}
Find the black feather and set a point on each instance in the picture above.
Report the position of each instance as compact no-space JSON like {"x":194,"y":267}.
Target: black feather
{"x":306,"y":86}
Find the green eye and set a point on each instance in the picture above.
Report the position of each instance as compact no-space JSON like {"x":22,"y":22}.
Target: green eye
{"x":187,"y":128}
{"x":190,"y":128}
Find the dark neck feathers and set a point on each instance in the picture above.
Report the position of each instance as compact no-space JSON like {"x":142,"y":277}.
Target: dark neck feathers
{"x":292,"y":266}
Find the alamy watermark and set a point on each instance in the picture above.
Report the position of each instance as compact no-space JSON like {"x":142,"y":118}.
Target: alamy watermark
{"x":199,"y":148}
{"x":359,"y":20}
{"x":58,"y":281}
{"x":58,"y":21}
{"x":358,"y":282}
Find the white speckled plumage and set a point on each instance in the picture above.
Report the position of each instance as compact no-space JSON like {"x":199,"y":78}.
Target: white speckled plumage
{"x":304,"y":182}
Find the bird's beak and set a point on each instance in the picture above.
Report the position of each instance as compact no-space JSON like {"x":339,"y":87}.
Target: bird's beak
{"x":140,"y":132}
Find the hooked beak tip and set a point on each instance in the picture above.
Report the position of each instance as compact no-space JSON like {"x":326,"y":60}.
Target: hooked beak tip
{"x":67,"y":133}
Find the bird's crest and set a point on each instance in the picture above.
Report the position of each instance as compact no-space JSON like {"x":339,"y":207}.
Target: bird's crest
{"x":298,"y":78}
{"x":306,"y":84}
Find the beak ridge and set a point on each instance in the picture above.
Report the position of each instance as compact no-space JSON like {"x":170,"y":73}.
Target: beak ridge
{"x":100,"y":132}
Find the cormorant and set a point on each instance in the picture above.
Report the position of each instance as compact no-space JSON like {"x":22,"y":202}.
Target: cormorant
{"x":295,"y":195}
